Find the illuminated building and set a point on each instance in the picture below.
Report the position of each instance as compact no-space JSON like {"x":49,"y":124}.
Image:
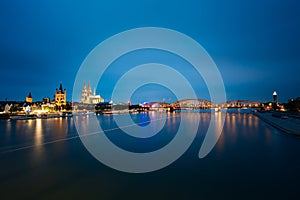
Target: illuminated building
{"x":60,"y":96}
{"x":29,"y":98}
{"x":88,"y":97}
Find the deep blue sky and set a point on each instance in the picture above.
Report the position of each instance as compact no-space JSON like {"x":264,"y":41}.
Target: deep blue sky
{"x":255,"y":44}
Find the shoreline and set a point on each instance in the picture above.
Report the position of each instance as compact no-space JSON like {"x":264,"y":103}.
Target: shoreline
{"x":288,"y":125}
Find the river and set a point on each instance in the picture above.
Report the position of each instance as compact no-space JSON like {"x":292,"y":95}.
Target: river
{"x":46,"y":159}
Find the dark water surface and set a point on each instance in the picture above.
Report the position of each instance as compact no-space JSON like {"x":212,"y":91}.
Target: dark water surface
{"x":45,"y":159}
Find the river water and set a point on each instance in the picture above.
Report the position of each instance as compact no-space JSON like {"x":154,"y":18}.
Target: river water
{"x":45,"y":159}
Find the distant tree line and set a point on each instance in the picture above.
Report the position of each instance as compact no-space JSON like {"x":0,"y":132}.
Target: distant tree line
{"x":293,"y":105}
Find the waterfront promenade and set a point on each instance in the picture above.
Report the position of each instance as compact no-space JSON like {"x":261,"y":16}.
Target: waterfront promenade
{"x":290,"y":125}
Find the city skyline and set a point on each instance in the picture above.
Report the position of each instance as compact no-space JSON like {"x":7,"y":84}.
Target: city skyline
{"x":87,"y":93}
{"x":255,"y":45}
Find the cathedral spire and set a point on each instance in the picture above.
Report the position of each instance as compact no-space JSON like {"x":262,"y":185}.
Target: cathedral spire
{"x":88,"y":96}
{"x":90,"y":92}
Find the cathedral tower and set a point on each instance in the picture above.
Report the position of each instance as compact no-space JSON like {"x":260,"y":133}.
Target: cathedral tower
{"x":89,"y":91}
{"x":84,"y":94}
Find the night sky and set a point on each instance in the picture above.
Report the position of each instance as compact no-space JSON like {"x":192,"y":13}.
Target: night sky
{"x":255,"y":44}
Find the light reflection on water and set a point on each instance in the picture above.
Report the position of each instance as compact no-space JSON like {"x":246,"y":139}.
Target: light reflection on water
{"x":34,"y":133}
{"x":249,"y":156}
{"x":21,"y":133}
{"x":38,"y":133}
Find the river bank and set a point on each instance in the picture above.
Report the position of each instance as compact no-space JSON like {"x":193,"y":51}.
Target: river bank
{"x":290,"y":125}
{"x":22,"y":116}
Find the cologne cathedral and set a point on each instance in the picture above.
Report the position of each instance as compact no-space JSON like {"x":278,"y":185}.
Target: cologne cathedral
{"x":88,"y":97}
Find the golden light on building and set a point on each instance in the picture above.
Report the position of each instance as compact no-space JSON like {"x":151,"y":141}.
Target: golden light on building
{"x":60,"y":96}
{"x":29,"y":98}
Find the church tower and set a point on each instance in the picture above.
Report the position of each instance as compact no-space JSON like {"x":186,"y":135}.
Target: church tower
{"x":29,"y":98}
{"x":275,"y":97}
{"x":60,"y":96}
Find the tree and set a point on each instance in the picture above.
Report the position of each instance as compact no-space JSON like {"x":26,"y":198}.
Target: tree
{"x":68,"y":106}
{"x":293,"y":105}
{"x":14,"y":108}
